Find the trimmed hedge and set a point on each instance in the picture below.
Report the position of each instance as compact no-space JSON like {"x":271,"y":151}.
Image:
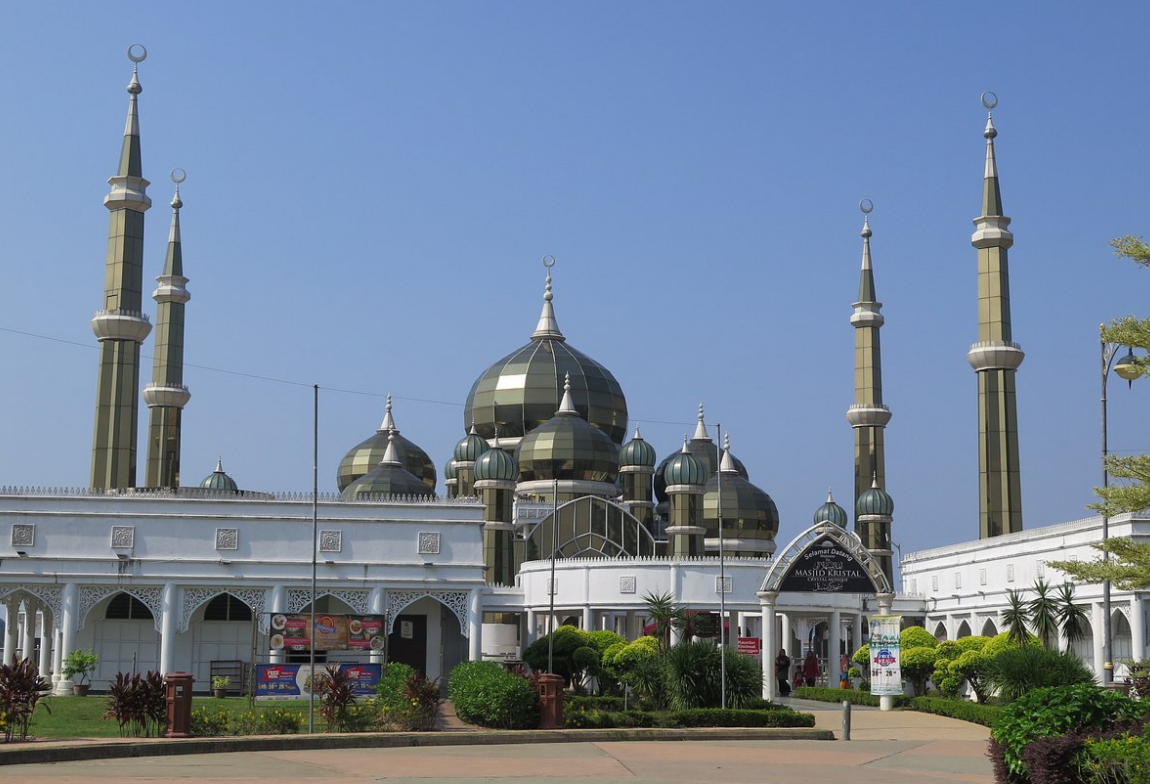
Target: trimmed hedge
{"x":587,"y":702}
{"x":717,"y":717}
{"x":823,"y":694}
{"x":592,"y":719}
{"x":485,"y":694}
{"x":973,"y":712}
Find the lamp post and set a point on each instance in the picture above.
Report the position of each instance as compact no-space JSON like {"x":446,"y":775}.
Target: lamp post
{"x":1127,"y":369}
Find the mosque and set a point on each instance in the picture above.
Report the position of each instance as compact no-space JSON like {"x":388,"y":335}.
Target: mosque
{"x":555,"y":510}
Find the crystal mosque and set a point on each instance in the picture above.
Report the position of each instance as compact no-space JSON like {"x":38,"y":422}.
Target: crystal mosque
{"x":554,"y":509}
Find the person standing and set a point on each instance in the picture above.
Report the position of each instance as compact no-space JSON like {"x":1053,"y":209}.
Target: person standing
{"x":783,"y":672}
{"x":811,"y":668}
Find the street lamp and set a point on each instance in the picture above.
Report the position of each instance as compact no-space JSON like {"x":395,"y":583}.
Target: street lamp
{"x":1127,"y":368}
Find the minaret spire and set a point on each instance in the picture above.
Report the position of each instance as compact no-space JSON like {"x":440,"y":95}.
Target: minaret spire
{"x":995,"y":357}
{"x":166,"y":395}
{"x":548,"y":327}
{"x":867,"y":415}
{"x":120,"y":326}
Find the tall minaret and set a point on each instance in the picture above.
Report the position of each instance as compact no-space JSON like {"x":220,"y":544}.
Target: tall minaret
{"x":166,"y":396}
{"x":867,"y":415}
{"x":121,"y":326}
{"x":995,"y":358}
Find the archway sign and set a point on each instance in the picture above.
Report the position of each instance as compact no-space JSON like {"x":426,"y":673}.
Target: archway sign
{"x":826,"y":559}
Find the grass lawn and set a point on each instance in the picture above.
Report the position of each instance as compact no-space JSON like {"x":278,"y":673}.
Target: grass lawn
{"x":83,"y":717}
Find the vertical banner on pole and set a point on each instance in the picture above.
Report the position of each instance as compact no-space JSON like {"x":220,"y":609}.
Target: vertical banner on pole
{"x":885,"y":672}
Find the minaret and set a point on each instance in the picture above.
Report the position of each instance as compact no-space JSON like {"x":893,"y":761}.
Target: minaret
{"x":166,"y":395}
{"x":686,"y":478}
{"x":995,"y":358}
{"x":121,"y":326}
{"x":867,"y":415}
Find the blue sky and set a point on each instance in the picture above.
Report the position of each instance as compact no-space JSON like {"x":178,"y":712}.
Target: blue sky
{"x":371,"y":187}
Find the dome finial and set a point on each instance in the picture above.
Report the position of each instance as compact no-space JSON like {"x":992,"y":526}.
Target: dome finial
{"x":219,"y":464}
{"x":701,"y":433}
{"x":638,"y":436}
{"x":388,"y":424}
{"x":727,"y":463}
{"x":830,"y":498}
{"x":137,"y":53}
{"x":874,"y":479}
{"x":567,"y":406}
{"x":178,"y":175}
{"x":547,"y":327}
{"x":685,"y":450}
{"x":390,"y":455}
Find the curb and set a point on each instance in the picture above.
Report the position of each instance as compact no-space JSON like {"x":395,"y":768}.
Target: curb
{"x":171,"y":747}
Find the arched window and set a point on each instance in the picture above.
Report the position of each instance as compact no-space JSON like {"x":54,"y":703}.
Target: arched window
{"x":226,"y":607}
{"x":125,"y":607}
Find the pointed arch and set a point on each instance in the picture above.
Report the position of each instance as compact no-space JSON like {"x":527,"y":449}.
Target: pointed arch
{"x":940,"y":631}
{"x":780,"y":567}
{"x":989,"y":629}
{"x":963,"y":631}
{"x":254,"y":598}
{"x":456,"y":601}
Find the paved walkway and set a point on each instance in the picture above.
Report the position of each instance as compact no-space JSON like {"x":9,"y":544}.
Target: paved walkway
{"x":886,"y":748}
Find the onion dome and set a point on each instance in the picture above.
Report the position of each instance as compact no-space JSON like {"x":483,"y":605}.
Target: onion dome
{"x":366,"y":455}
{"x":218,"y":480}
{"x":519,"y":392}
{"x":497,"y":465}
{"x":637,"y":452}
{"x":470,"y":447}
{"x":449,"y":470}
{"x":749,"y":513}
{"x":684,"y":469}
{"x":567,"y":447}
{"x":389,"y":478}
{"x":875,"y":501}
{"x":830,"y":512}
{"x":704,"y":450}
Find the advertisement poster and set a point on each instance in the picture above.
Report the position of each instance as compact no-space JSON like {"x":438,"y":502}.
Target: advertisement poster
{"x":332,"y":632}
{"x":749,"y":645}
{"x":292,"y":681}
{"x":885,"y":673}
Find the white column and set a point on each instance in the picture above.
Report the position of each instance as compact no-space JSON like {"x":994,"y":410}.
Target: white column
{"x":169,"y":622}
{"x":28,"y":645}
{"x":1096,"y":620}
{"x":629,"y":627}
{"x":768,"y":645}
{"x":69,"y":618}
{"x":676,"y":635}
{"x":532,"y":626}
{"x":279,"y":605}
{"x":857,"y":633}
{"x":11,"y":608}
{"x":474,"y":625}
{"x":833,"y":649}
{"x":46,"y":636}
{"x":885,"y":600}
{"x":588,"y":618}
{"x":1137,"y":627}
{"x":787,"y":637}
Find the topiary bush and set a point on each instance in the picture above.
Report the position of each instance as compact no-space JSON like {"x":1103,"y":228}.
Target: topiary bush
{"x":916,"y":637}
{"x":1017,"y":671}
{"x":567,"y":640}
{"x":917,"y":665}
{"x":485,"y":694}
{"x":1051,"y":712}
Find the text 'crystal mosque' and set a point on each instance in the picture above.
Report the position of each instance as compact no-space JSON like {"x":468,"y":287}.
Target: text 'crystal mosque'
{"x":551,"y":501}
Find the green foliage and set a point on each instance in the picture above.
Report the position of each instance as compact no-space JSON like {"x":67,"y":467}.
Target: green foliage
{"x":1043,"y":612}
{"x":715,"y":717}
{"x":948,"y":682}
{"x":567,"y":640}
{"x":862,"y":657}
{"x":20,"y":690}
{"x":597,"y":719}
{"x":646,"y":677}
{"x":1004,"y":641}
{"x":985,"y":715}
{"x":485,"y":694}
{"x":603,"y":640}
{"x":1015,"y":616}
{"x":1071,"y":616}
{"x":207,"y":723}
{"x":1048,"y":712}
{"x":916,"y":637}
{"x":138,"y":703}
{"x":917,"y":665}
{"x":1123,"y":759}
{"x":335,"y":689}
{"x":1129,"y":564}
{"x":971,"y":666}
{"x":693,"y":676}
{"x":80,"y":662}
{"x":1017,"y":671}
{"x":853,"y":696}
{"x":666,"y":615}
{"x":421,"y":702}
{"x":389,"y":691}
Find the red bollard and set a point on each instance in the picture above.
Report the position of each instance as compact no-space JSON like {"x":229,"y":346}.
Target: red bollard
{"x":179,"y":693}
{"x":551,"y":702}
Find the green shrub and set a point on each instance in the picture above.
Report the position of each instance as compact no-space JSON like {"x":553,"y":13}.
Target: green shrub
{"x":207,"y":723}
{"x":1017,"y":671}
{"x":853,"y":696}
{"x":389,"y":691}
{"x":486,"y":695}
{"x":1122,"y":759}
{"x":604,"y":640}
{"x":1059,"y":710}
{"x":986,"y":715}
{"x":716,"y":717}
{"x":600,"y":703}
{"x":916,"y":637}
{"x":138,"y":703}
{"x":567,"y":640}
{"x":917,"y":665}
{"x":594,"y":719}
{"x":20,"y":690}
{"x":335,"y":691}
{"x":1002,"y":642}
{"x":862,"y":657}
{"x":694,"y":676}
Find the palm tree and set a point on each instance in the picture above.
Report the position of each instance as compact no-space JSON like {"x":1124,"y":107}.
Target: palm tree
{"x":666,"y":615}
{"x":1043,"y":610}
{"x":1071,"y":616}
{"x":1015,"y":617}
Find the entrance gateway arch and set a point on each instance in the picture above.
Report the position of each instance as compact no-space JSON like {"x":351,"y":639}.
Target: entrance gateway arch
{"x":821,"y":562}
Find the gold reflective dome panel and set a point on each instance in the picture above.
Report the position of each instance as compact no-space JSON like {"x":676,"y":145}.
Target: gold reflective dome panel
{"x":365,"y":456}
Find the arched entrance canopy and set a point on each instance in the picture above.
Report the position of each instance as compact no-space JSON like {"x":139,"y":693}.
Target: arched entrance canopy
{"x":826,"y":559}
{"x":589,"y":527}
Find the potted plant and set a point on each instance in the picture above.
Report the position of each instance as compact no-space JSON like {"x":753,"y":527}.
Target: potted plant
{"x":220,"y":684}
{"x":78,"y":665}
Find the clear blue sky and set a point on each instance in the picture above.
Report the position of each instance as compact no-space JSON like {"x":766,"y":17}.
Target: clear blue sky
{"x":371,"y":187}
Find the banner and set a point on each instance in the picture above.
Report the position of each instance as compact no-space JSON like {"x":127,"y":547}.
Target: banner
{"x":293,"y":682}
{"x":332,"y":632}
{"x":749,"y":645}
{"x":885,"y":672}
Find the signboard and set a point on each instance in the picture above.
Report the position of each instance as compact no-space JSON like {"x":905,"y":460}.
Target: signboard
{"x":705,"y":624}
{"x":825,"y":566}
{"x":885,"y":672}
{"x":331,"y":632}
{"x":750,"y":646}
{"x":293,"y":682}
